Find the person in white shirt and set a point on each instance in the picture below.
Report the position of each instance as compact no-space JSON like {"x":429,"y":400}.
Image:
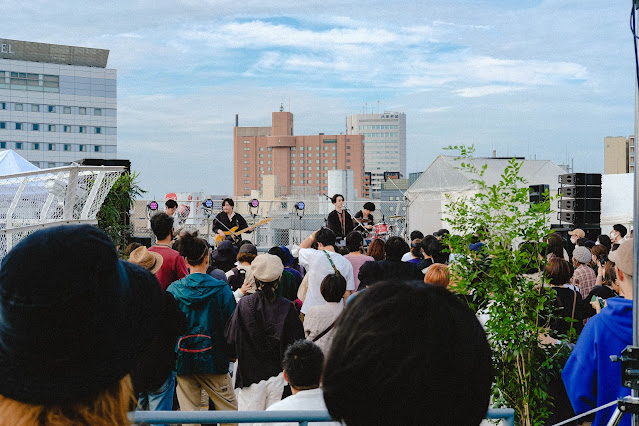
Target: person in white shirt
{"x":303,"y":364}
{"x":415,"y":235}
{"x":322,"y":262}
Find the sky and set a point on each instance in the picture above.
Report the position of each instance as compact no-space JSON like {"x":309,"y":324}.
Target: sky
{"x":540,"y":79}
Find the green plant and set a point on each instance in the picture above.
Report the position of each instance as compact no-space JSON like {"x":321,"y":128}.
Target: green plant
{"x":500,"y":282}
{"x":113,"y":217}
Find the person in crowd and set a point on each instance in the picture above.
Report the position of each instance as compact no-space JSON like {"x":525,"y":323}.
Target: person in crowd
{"x":288,"y":285}
{"x":303,"y":364}
{"x":416,"y":252}
{"x":261,"y":328}
{"x":355,"y":247}
{"x":240,"y":278}
{"x":596,"y":252}
{"x":591,"y":379}
{"x":128,"y":249}
{"x":321,"y":262}
{"x":575,"y":235}
{"x":605,"y":288}
{"x":437,"y":274}
{"x":365,"y":216}
{"x":369,"y":274}
{"x":583,"y":276}
{"x":617,"y":235}
{"x":173,"y":266}
{"x":320,"y":319}
{"x":224,"y":256}
{"x":154,"y":377}
{"x":426,"y":245}
{"x":339,"y":220}
{"x":440,"y":234}
{"x":376,"y":249}
{"x":555,"y":247}
{"x":415,"y":235}
{"x":75,"y":322}
{"x":374,"y":375}
{"x":604,"y":240}
{"x":170,"y":206}
{"x":227,"y":219}
{"x":202,"y":354}
{"x":568,"y":302}
{"x":393,"y":266}
{"x":288,"y":260}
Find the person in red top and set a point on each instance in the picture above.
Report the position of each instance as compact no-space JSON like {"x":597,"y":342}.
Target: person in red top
{"x":173,"y":267}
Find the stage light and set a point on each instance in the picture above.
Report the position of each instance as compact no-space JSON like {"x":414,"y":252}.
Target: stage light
{"x":153,"y":206}
{"x":254,"y":203}
{"x":208,"y":203}
{"x":299,"y":205}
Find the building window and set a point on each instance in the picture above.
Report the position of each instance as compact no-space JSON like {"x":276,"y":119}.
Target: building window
{"x":269,"y":162}
{"x":83,"y":148}
{"x":246,"y":155}
{"x":261,"y":149}
{"x":246,"y":168}
{"x":334,"y":161}
{"x":261,"y":161}
{"x":81,"y":129}
{"x":247,"y":175}
{"x":292,"y":168}
{"x":325,"y":161}
{"x":246,"y":161}
{"x":66,"y":110}
{"x":97,"y":111}
{"x":98,"y":130}
{"x":301,"y":168}
{"x":51,"y":165}
{"x":292,"y":148}
{"x":348,"y":161}
{"x":82,"y":111}
{"x":51,"y":108}
{"x":270,"y":155}
{"x":247,"y":181}
{"x":292,"y":161}
{"x":67,"y":129}
{"x":348,"y":167}
{"x":292,"y":174}
{"x":51,"y":147}
{"x":3,"y":105}
{"x":247,"y":141}
{"x":35,"y":127}
{"x":18,"y":145}
{"x":293,"y":182}
{"x":317,"y":148}
{"x":3,"y":125}
{"x":19,"y":107}
{"x":67,"y":147}
{"x":35,"y":146}
{"x":3,"y":145}
{"x":51,"y":127}
{"x":35,"y":108}
{"x":261,"y":155}
{"x":301,"y":161}
{"x":348,"y":147}
{"x":97,"y":148}
{"x":246,"y":148}
{"x":292,"y":155}
{"x":261,"y":169}
{"x":270,"y":169}
{"x":270,"y":148}
{"x":335,"y":154}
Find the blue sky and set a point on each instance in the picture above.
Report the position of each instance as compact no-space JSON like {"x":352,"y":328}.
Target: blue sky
{"x":541,"y":79}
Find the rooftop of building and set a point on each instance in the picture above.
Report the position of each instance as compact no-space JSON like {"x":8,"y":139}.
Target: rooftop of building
{"x":53,"y":53}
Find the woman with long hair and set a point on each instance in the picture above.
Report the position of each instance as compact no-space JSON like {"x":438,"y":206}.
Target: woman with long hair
{"x":377,"y":249}
{"x":260,"y":330}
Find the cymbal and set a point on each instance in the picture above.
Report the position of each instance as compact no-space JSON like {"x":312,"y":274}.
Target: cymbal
{"x":396,"y":217}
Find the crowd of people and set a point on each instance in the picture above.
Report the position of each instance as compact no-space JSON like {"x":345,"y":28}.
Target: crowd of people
{"x":375,"y":335}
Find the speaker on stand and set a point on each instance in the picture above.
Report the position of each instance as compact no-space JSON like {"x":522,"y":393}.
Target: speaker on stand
{"x":580,"y":202}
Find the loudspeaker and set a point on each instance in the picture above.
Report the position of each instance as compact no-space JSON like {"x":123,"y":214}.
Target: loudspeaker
{"x":580,"y":191}
{"x":579,"y":217}
{"x":587,"y":204}
{"x":537,"y":193}
{"x":580,"y":179}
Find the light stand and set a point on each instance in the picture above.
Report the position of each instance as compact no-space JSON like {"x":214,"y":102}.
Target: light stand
{"x":253,"y":206}
{"x":299,"y":211}
{"x":207,"y":209}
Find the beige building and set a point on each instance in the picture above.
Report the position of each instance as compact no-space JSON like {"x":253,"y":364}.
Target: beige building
{"x":300,"y":163}
{"x":619,"y":154}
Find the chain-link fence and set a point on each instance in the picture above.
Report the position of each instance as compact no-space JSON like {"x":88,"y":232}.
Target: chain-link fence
{"x":34,"y":200}
{"x":288,"y":225}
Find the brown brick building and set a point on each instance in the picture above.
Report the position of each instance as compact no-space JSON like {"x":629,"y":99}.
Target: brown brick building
{"x":301,"y":163}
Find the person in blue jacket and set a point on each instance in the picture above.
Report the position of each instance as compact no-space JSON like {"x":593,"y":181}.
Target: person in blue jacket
{"x":590,"y":377}
{"x":202,"y":353}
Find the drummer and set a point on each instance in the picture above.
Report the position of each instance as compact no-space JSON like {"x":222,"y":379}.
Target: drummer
{"x":366,"y":215}
{"x":339,"y":220}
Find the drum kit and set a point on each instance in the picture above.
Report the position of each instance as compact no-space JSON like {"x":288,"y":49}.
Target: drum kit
{"x":381,"y":230}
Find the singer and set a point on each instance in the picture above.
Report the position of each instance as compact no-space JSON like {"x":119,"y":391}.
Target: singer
{"x":339,"y":220}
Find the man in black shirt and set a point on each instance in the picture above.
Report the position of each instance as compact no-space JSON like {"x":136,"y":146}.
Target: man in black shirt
{"x":227,"y":219}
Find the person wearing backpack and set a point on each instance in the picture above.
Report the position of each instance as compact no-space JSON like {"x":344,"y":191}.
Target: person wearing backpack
{"x":202,"y":353}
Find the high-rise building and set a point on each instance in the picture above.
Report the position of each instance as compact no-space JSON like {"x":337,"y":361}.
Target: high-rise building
{"x":300,"y":163}
{"x":58,"y":104}
{"x":385,"y":144}
{"x":619,"y":154}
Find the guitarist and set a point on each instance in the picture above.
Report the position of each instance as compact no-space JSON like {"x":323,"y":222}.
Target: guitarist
{"x":227,"y":219}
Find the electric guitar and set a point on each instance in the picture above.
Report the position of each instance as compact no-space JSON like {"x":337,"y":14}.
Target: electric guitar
{"x":219,"y":238}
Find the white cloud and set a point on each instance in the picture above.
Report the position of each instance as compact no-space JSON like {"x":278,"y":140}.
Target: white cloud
{"x":475,"y":92}
{"x":435,"y":109}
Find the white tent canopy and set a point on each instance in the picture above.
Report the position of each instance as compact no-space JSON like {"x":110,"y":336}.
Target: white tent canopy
{"x":11,"y":163}
{"x":617,"y":197}
{"x":427,"y":196}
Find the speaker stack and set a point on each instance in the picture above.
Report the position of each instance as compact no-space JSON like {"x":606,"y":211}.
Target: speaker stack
{"x":580,"y":202}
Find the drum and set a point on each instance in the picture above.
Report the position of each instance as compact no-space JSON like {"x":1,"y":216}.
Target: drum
{"x":380,"y":230}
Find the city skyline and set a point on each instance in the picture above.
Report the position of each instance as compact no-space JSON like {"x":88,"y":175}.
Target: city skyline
{"x":541,"y":79}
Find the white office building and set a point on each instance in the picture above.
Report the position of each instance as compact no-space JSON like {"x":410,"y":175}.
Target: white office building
{"x":384,"y":144}
{"x":58,"y":104}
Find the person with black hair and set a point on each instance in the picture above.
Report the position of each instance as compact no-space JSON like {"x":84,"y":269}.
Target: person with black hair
{"x":365,"y":216}
{"x":203,"y":356}
{"x":428,"y":363}
{"x":320,"y":319}
{"x":604,"y":240}
{"x":617,"y":235}
{"x":228,"y":219}
{"x":394,"y":268}
{"x":173,"y":266}
{"x":414,"y":235}
{"x":322,"y":262}
{"x":260,"y":330}
{"x":288,"y":283}
{"x":355,"y":247}
{"x":303,"y":365}
{"x":339,"y":220}
{"x":170,"y":206}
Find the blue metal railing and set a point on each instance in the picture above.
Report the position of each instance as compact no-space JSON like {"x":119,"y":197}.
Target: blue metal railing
{"x":301,"y":417}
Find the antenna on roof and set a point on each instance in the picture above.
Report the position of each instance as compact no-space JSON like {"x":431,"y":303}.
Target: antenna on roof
{"x":282,"y":107}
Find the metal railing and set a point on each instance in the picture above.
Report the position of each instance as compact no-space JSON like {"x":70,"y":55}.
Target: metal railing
{"x":301,"y":417}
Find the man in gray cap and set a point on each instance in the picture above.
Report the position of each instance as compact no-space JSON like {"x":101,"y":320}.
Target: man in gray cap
{"x":591,"y":378}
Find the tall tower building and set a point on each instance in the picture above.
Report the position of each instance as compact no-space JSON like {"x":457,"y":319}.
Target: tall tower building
{"x":300,"y":163}
{"x":619,"y":154}
{"x":58,"y":104}
{"x":385,"y":144}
